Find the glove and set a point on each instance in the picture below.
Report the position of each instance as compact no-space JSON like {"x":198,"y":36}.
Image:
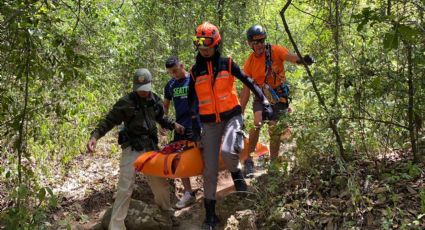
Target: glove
{"x":307,"y":59}
{"x":267,"y":112}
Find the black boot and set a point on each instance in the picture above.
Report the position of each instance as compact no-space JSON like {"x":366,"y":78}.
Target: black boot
{"x":239,"y":181}
{"x":211,"y":219}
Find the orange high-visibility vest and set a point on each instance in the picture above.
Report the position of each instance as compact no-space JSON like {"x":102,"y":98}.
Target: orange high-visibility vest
{"x":217,"y":95}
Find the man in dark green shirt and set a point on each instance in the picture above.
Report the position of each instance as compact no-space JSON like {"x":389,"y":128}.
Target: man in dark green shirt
{"x":139,"y":111}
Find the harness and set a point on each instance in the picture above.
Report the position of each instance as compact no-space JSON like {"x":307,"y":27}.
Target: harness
{"x":269,"y":63}
{"x":281,"y":93}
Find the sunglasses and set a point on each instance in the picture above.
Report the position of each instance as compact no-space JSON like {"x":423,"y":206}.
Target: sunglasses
{"x":203,"y":41}
{"x":257,"y":41}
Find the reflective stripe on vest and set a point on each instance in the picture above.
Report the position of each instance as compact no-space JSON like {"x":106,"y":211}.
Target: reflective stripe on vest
{"x":218,"y":96}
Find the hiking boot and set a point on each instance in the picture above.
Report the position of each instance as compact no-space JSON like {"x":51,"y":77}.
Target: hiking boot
{"x":249,"y":168}
{"x":174,"y":221}
{"x":171,"y":214}
{"x":211,"y":219}
{"x":239,"y":181}
{"x":187,"y":199}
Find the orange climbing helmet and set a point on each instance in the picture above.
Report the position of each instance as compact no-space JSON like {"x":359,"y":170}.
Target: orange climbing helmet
{"x":207,"y":35}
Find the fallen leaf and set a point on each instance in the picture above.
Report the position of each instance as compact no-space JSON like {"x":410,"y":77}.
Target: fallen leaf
{"x":308,"y":202}
{"x":330,"y":225}
{"x":369,"y":219}
{"x":411,"y":190}
{"x":380,"y":190}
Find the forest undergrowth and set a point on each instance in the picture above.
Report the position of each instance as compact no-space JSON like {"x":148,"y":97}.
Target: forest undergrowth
{"x":378,"y":193}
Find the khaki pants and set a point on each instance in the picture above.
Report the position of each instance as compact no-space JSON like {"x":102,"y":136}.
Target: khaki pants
{"x":159,"y":186}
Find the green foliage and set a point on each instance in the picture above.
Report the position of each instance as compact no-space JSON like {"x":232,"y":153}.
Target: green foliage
{"x":29,"y":217}
{"x":422,"y":200}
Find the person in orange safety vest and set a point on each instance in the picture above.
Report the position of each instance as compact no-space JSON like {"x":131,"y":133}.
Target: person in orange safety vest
{"x":213,"y":79}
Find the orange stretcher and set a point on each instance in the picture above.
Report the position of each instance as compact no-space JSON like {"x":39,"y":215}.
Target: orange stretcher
{"x":182,"y":159}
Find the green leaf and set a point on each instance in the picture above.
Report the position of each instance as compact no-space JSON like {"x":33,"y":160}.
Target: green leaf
{"x":408,"y":33}
{"x":8,"y":175}
{"x":22,"y":191}
{"x":41,"y":194}
{"x":362,"y":24}
{"x":49,"y":190}
{"x":53,"y":201}
{"x":391,"y":40}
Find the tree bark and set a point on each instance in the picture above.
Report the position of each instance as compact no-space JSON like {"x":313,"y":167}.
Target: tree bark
{"x":220,"y":13}
{"x":410,"y":111}
{"x":336,"y":34}
{"x":21,"y":145}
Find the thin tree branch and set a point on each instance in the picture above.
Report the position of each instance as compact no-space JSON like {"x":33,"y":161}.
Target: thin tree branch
{"x":312,"y":15}
{"x":377,"y":121}
{"x":15,"y":14}
{"x":313,"y":82}
{"x":333,"y":121}
{"x":120,"y":6}
{"x":88,"y":29}
{"x":78,"y":16}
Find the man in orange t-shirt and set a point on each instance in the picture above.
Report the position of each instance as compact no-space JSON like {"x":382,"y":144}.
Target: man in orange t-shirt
{"x":267,"y":60}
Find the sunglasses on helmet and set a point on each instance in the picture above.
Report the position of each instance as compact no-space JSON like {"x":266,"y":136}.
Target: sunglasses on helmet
{"x":203,"y":41}
{"x":257,"y":41}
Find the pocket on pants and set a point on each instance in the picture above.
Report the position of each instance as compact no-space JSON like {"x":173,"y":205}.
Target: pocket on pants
{"x":239,"y":145}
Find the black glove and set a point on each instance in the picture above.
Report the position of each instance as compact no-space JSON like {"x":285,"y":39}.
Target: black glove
{"x":267,"y":112}
{"x":307,"y":59}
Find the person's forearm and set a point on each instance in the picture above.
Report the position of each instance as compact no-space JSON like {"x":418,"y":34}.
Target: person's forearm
{"x":292,"y":58}
{"x":166,"y":106}
{"x":244,"y":97}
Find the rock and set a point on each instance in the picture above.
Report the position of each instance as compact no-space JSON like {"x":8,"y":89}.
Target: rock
{"x":232,"y":203}
{"x":232,"y":223}
{"x":286,"y":216}
{"x":292,"y":224}
{"x":237,"y":211}
{"x":244,"y":219}
{"x":142,"y":216}
{"x":98,"y":226}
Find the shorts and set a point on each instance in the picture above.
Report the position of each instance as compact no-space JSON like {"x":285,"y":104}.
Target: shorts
{"x":279,"y":109}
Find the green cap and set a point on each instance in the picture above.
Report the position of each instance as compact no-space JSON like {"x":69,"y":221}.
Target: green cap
{"x":142,"y":80}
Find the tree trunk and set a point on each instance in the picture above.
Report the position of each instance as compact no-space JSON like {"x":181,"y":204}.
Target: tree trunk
{"x":410,"y":111}
{"x":21,"y":141}
{"x":335,"y":33}
{"x":220,"y":13}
